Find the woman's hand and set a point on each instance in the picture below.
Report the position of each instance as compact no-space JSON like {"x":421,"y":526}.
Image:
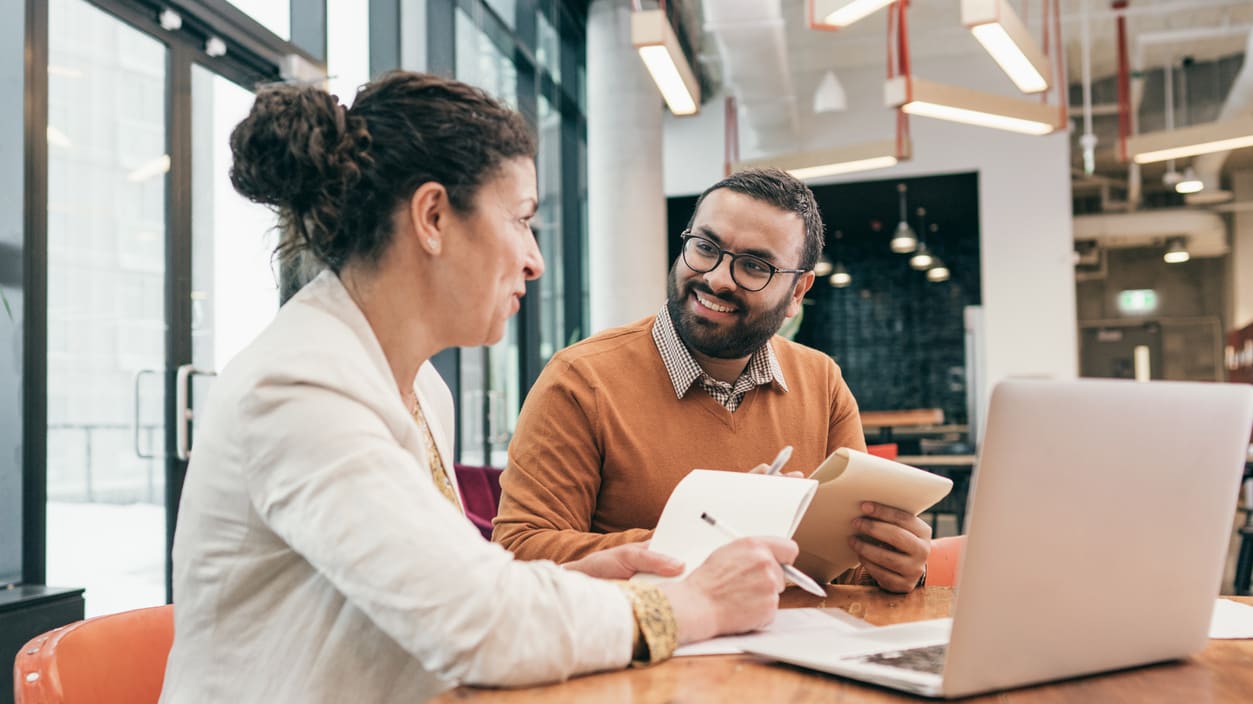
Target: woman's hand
{"x":735,"y":590}
{"x":624,"y":561}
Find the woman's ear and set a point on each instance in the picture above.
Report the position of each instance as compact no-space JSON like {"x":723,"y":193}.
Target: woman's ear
{"x":428,"y":216}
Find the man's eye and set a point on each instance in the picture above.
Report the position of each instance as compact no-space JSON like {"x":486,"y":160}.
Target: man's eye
{"x":755,"y":266}
{"x":706,"y":248}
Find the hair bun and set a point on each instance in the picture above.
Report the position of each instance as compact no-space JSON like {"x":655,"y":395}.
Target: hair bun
{"x":298,"y":150}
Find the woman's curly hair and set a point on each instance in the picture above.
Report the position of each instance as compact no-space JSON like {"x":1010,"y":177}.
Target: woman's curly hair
{"x":336,"y":175}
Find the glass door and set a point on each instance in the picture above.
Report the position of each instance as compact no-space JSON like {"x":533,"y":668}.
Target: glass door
{"x":107,"y":162}
{"x":234,"y":283}
{"x":124,"y":369}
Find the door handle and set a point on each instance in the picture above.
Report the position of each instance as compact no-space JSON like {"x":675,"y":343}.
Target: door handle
{"x":139,"y":375}
{"x":183,"y":413}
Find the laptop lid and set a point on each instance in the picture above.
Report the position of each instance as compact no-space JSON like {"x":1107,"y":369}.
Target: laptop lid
{"x":1101,"y":515}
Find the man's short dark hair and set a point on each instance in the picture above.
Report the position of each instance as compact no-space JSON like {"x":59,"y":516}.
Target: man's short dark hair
{"x":783,"y":191}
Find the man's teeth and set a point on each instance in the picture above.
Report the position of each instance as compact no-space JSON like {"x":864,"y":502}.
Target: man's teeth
{"x":713,"y":306}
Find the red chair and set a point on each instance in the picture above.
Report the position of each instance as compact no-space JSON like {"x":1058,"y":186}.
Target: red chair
{"x":114,"y":659}
{"x":887,"y":450}
{"x":480,"y":494}
{"x":942,"y":564}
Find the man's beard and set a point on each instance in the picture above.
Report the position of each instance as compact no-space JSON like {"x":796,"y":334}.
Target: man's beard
{"x":744,"y":337}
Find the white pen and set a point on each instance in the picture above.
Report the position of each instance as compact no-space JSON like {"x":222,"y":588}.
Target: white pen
{"x":801,"y":579}
{"x":780,"y":459}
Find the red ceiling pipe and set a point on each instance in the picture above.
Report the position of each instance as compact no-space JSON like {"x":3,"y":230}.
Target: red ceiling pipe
{"x":1124,"y":82}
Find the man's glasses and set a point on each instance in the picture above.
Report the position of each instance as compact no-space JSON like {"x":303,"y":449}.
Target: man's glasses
{"x":749,"y":272}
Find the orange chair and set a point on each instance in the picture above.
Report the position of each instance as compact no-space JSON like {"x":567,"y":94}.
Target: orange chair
{"x":887,"y":450}
{"x":104,"y":660}
{"x":946,"y":553}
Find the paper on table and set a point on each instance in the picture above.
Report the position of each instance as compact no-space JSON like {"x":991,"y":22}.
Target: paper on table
{"x":752,"y":504}
{"x":847,"y":478}
{"x":787,"y":622}
{"x":1231,"y":620}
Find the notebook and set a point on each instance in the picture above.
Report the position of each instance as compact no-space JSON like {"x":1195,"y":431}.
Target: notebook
{"x":818,"y":511}
{"x":1098,"y":531}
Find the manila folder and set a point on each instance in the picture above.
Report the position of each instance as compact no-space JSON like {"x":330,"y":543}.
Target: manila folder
{"x":846,"y":479}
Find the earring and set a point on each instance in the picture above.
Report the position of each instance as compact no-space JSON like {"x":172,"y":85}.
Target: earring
{"x":433,"y":242}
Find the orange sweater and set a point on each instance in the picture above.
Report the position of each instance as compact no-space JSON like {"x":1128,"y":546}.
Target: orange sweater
{"x":602,"y":440}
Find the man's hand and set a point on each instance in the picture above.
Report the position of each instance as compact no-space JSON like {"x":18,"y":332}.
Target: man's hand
{"x":893,"y":545}
{"x":763,"y":468}
{"x":624,"y":561}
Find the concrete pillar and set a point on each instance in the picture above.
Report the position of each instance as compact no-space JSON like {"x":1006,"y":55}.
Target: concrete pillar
{"x":1242,"y":252}
{"x":627,"y":255}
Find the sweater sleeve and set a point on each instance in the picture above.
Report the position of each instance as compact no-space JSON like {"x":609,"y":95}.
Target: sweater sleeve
{"x":549,"y":489}
{"x":845,"y":418}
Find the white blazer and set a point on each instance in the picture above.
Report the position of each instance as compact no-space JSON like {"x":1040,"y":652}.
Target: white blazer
{"x":315,"y":560}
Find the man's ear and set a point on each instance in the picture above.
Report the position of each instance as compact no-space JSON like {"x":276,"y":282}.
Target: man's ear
{"x":803,"y":283}
{"x":428,"y":216}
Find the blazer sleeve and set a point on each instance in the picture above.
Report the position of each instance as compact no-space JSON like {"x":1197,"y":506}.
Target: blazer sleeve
{"x":325,"y":473}
{"x":550,"y":488}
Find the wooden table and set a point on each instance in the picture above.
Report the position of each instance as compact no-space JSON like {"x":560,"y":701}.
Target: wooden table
{"x":911,"y":416}
{"x":1223,"y":672}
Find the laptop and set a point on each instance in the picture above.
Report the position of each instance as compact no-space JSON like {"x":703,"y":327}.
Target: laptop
{"x":1099,"y":528}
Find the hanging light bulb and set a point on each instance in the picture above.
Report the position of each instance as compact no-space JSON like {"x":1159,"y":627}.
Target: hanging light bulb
{"x":840,"y":276}
{"x":922,"y":258}
{"x":938,"y":272}
{"x":823,"y":267}
{"x":904,"y":241}
{"x":1177,"y":251}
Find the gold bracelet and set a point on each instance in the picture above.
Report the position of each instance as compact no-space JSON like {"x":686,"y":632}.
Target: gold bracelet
{"x":656,"y":631}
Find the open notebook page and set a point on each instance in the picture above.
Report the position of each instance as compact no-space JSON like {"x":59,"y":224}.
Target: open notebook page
{"x":750,"y":504}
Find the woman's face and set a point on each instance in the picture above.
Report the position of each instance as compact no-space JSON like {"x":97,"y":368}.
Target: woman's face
{"x":499,"y":254}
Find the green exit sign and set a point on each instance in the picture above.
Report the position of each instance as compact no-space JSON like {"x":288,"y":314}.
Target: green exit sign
{"x":1140,"y":300}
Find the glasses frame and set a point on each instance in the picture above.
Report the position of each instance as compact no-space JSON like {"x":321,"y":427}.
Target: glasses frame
{"x":723,"y":253}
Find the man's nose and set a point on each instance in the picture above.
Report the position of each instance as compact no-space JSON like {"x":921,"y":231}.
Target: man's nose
{"x":719,"y":278}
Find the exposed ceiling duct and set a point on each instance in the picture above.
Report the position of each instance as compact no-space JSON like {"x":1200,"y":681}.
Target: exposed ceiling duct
{"x":1239,"y":102}
{"x":752,"y":48}
{"x":1206,"y":232}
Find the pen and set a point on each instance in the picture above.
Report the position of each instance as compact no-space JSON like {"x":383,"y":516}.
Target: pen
{"x":801,"y":579}
{"x":780,"y":459}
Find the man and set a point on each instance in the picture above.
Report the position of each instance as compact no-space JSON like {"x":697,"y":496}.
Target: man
{"x":614,"y":422}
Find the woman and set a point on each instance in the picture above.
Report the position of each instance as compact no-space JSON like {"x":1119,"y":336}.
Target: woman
{"x":321,"y":553}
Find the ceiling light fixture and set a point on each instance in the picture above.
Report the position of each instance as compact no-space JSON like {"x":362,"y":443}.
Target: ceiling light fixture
{"x":150,"y":168}
{"x":1189,"y":182}
{"x":841,"y":13}
{"x":904,"y":240}
{"x":840,"y":160}
{"x":1177,"y":251}
{"x":840,"y":276}
{"x":830,"y":96}
{"x":922,"y":258}
{"x":1210,"y":137}
{"x":956,"y":104}
{"x":823,"y":267}
{"x":938,"y":272}
{"x":997,"y":27}
{"x":658,"y":46}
